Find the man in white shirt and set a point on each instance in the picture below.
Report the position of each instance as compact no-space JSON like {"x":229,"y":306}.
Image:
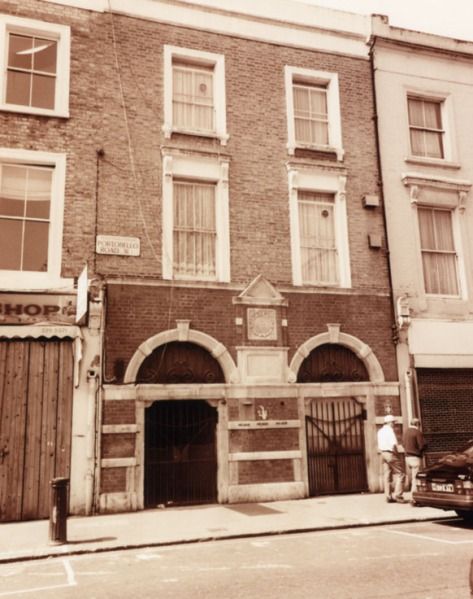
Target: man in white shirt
{"x":393,"y":469}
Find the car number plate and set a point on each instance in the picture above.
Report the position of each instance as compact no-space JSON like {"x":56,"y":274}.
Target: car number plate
{"x":444,"y":487}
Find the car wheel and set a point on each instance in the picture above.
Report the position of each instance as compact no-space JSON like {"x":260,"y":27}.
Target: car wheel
{"x":466,"y":515}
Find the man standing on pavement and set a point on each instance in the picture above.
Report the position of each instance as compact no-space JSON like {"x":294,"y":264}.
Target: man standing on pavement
{"x":393,"y":468}
{"x":414,"y":446}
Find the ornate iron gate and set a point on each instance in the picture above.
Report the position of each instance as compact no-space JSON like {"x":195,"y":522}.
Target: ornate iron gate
{"x":335,"y":446}
{"x":180,"y":453}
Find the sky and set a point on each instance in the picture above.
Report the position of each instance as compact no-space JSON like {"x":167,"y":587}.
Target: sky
{"x":452,"y":18}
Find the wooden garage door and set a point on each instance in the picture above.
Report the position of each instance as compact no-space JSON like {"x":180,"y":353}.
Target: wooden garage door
{"x":36,"y":383}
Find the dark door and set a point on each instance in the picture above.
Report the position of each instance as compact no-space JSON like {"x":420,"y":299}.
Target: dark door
{"x":335,"y":446}
{"x":36,"y":384}
{"x":180,"y":453}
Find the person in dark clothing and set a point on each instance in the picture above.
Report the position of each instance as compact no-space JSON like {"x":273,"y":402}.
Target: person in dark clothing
{"x":414,"y":447}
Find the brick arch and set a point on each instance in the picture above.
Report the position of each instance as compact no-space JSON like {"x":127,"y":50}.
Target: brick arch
{"x":214,"y":347}
{"x":360,"y":349}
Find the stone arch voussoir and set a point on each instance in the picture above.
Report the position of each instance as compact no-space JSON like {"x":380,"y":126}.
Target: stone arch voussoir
{"x":362,"y":351}
{"x":214,"y":347}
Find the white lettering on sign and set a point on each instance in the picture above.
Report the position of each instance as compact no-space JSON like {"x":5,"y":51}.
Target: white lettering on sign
{"x":119,"y":246}
{"x":254,"y":424}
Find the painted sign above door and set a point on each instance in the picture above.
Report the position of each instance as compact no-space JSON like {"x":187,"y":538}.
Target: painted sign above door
{"x":32,"y":308}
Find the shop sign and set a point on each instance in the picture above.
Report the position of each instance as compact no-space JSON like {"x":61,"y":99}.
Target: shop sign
{"x":118,"y":246}
{"x":31,"y":308}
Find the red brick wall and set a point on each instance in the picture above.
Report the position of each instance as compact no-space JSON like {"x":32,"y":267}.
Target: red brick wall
{"x":285,"y":439}
{"x":136,"y":312}
{"x":119,"y":412}
{"x":113,"y":480}
{"x":130,"y":197}
{"x":118,"y":445}
{"x":259,"y":227}
{"x":78,"y":136}
{"x":265,"y":471}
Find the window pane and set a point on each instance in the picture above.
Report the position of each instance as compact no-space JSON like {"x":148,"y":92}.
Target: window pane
{"x":10,"y":244}
{"x":320,"y":133}
{"x":426,"y":134}
{"x":433,"y":144}
{"x":193,"y":105}
{"x":319,"y":259}
{"x":44,"y":56}
{"x":301,"y":101}
{"x":38,"y":193}
{"x":318,"y":102}
{"x":194,"y":229}
{"x":432,"y":115}
{"x":426,"y":228}
{"x":18,"y":88}
{"x":19,"y":51}
{"x":310,"y":115}
{"x":439,"y":258}
{"x":42,"y":95}
{"x":35,"y":252}
{"x":443,"y":229}
{"x":12,"y":190}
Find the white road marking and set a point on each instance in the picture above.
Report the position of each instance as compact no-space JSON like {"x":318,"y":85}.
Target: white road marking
{"x":392,"y":556}
{"x":268,"y":567}
{"x":428,"y":538}
{"x":148,"y":556}
{"x":71,"y":578}
{"x":260,"y":543}
{"x":70,"y":582}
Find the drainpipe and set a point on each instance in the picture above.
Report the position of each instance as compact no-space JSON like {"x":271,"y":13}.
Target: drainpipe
{"x":409,"y":395}
{"x":92,"y":380}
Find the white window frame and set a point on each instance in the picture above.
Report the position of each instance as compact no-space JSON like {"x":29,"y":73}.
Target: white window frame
{"x":446,"y":115}
{"x":30,"y":27}
{"x":330,"y":82}
{"x":309,"y":180}
{"x":205,"y":170}
{"x":11,"y":279}
{"x":455,"y":201}
{"x":208,"y":59}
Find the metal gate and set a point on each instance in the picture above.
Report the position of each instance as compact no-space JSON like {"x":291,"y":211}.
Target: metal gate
{"x":335,"y":446}
{"x":36,"y":384}
{"x":180,"y":453}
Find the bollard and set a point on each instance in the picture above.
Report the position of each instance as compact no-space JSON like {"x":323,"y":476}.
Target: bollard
{"x":58,"y":511}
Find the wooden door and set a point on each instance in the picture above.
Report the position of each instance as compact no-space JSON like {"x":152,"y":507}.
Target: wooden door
{"x":36,"y":384}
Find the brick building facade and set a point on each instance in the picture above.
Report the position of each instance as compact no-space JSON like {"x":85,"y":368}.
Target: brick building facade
{"x":222,"y":185}
{"x":427,"y":176}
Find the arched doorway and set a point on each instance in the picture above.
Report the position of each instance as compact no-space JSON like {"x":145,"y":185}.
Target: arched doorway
{"x":334,"y":425}
{"x":180,"y":435}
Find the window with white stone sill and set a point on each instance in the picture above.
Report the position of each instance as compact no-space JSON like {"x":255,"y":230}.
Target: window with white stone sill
{"x":194,"y":93}
{"x":196,"y":243}
{"x":319,"y":230}
{"x":439,"y":204}
{"x":34,"y":67}
{"x":431,"y":139}
{"x":313,"y":111}
{"x":31,"y":218}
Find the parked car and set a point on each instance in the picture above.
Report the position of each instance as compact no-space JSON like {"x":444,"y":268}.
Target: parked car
{"x":448,"y":483}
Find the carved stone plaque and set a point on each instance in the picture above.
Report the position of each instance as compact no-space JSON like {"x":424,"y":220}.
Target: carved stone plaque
{"x":262,"y":324}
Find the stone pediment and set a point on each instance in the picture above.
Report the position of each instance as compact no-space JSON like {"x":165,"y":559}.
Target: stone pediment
{"x":260,"y":292}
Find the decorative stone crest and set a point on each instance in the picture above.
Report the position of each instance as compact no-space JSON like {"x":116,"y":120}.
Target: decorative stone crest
{"x":262,"y":324}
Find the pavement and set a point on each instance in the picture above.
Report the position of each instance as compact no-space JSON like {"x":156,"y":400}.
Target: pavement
{"x":20,"y":541}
